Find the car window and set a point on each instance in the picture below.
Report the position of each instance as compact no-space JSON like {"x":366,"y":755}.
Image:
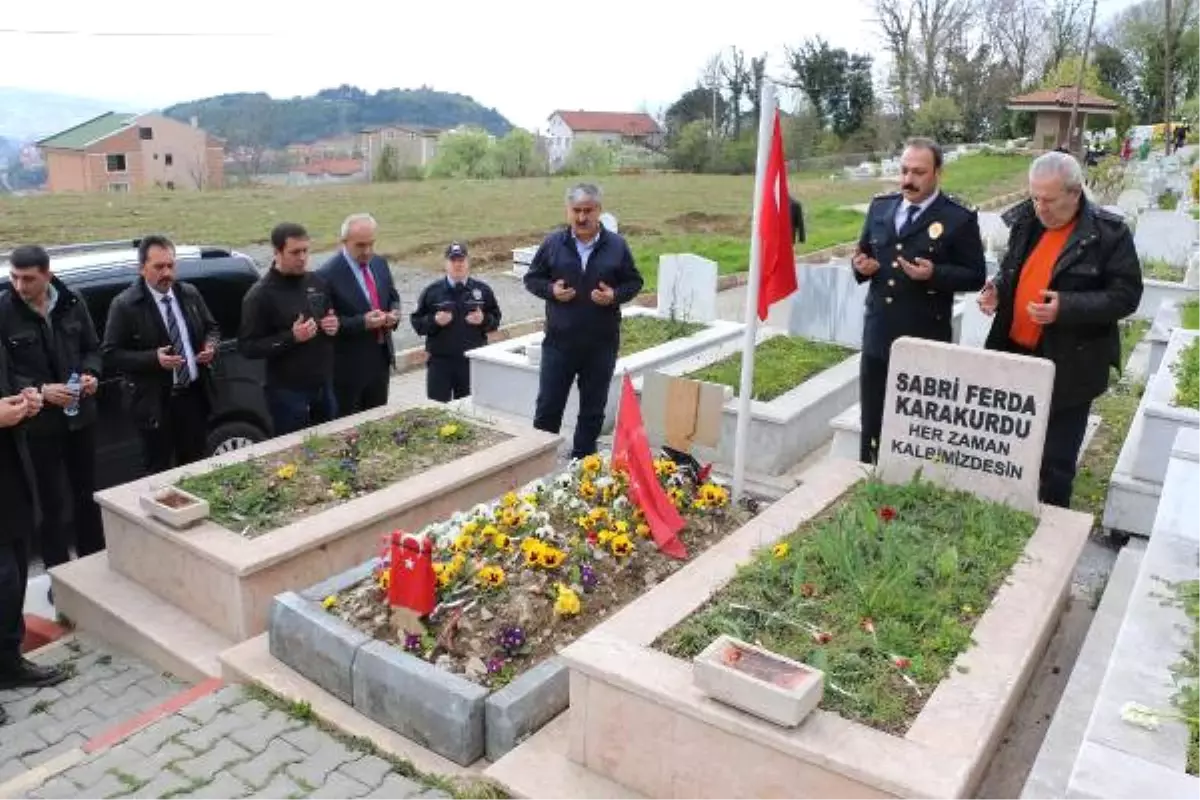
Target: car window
{"x":223,"y":293}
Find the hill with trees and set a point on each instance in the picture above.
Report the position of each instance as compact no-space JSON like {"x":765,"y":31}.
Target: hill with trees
{"x":256,"y":120}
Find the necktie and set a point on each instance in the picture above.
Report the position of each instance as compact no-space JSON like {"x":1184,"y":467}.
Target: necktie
{"x":373,"y":293}
{"x":183,"y":375}
{"x":912,"y":215}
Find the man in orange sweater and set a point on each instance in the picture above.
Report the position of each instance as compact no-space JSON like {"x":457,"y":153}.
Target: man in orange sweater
{"x":1070,"y":275}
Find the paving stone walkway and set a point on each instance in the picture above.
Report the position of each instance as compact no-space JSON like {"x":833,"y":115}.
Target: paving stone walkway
{"x":92,"y":736}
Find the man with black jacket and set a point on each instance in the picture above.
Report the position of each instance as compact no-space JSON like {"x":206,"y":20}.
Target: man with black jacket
{"x":288,"y":319}
{"x":584,"y":273}
{"x":1070,"y":274}
{"x":162,"y":339}
{"x":18,"y":501}
{"x":49,"y":335}
{"x":454,"y":314}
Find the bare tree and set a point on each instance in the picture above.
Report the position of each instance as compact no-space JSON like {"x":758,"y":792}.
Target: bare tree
{"x":711,"y":79}
{"x":1017,"y":27}
{"x":197,"y":169}
{"x":1064,"y":25}
{"x":940,"y":24}
{"x":758,"y":74}
{"x":895,"y":19}
{"x":738,"y":81}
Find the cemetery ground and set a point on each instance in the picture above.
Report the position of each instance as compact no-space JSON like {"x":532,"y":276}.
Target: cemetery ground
{"x":708,"y":215}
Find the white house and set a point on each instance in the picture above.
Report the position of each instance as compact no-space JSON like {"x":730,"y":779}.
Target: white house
{"x":609,"y":127}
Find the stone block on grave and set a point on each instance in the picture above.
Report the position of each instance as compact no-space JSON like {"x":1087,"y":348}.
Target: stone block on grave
{"x":829,"y":305}
{"x":687,"y":287}
{"x":1167,"y":236}
{"x":967,"y":419}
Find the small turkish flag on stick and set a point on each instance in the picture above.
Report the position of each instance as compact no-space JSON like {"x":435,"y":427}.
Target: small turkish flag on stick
{"x":413,"y":584}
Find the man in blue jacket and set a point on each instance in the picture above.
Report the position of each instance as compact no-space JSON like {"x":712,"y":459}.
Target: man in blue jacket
{"x":584,"y":273}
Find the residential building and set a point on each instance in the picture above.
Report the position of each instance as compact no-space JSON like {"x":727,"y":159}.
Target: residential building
{"x":131,"y":152}
{"x":414,"y":146}
{"x":607,"y":127}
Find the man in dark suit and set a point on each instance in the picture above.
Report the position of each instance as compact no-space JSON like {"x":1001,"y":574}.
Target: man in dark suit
{"x":454,"y":314}
{"x":584,"y":273}
{"x":162,"y":338}
{"x":918,"y":248}
{"x":18,"y":501}
{"x":1069,"y":275}
{"x":368,"y":308}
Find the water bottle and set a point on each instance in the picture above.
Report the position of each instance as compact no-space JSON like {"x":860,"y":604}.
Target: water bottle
{"x":75,"y":386}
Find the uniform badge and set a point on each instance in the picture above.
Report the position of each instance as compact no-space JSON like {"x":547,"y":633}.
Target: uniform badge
{"x":478,"y":295}
{"x":935,"y":230}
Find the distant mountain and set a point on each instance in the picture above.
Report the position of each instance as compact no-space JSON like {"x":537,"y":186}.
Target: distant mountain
{"x":26,"y":115}
{"x":257,"y":120}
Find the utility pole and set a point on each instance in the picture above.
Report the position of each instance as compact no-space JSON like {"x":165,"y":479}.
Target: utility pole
{"x":1167,"y":93}
{"x":1087,"y":46}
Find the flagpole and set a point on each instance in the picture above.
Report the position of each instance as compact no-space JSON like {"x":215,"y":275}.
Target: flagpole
{"x":766,"y":125}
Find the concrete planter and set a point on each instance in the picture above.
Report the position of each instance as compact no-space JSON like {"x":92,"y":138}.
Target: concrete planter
{"x":227,"y":581}
{"x":439,"y":710}
{"x":763,"y":683}
{"x":783,"y":430}
{"x":1162,"y":419}
{"x":505,"y":380}
{"x":1155,"y":293}
{"x":637,"y":724}
{"x":1115,"y":758}
{"x":1166,"y":319}
{"x":174,"y":506}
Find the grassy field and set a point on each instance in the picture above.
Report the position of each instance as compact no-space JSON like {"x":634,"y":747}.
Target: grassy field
{"x":705,"y":214}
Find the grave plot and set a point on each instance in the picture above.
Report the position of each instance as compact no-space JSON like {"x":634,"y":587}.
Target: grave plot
{"x":800,"y":385}
{"x":923,"y":594}
{"x":1165,"y":242}
{"x":1171,"y":315}
{"x":290,"y":511}
{"x":504,"y":375}
{"x":517,"y":579}
{"x":1168,"y":406}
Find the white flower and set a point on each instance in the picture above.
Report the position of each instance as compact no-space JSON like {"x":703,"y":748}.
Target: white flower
{"x":1139,"y":715}
{"x":535,"y":487}
{"x":619,"y":502}
{"x":559,"y":496}
{"x":481,"y":510}
{"x":606,"y":480}
{"x":544,"y":532}
{"x":527,"y":509}
{"x":541,"y":517}
{"x":564,"y":480}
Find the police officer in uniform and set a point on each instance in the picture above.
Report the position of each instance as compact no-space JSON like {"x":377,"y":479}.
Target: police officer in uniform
{"x":454,"y":314}
{"x":918,"y":248}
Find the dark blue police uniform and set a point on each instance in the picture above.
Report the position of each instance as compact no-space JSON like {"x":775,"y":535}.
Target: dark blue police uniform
{"x":448,"y":370}
{"x":582,"y":338}
{"x":947,"y":234}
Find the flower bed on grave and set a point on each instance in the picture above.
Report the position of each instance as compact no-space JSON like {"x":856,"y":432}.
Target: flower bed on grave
{"x":1187,"y":376}
{"x":516,"y":580}
{"x":279,"y":488}
{"x":880,"y":592}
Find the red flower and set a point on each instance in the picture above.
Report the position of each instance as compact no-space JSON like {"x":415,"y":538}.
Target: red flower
{"x":807,"y":590}
{"x":822,"y":637}
{"x":887,"y":513}
{"x":593,"y":538}
{"x":868,"y":625}
{"x":901,"y":662}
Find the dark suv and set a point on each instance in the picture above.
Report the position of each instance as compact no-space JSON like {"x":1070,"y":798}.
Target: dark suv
{"x":240,"y":415}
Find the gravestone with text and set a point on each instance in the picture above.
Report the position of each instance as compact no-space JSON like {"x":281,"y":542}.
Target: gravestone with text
{"x":966,"y":418}
{"x":687,"y":287}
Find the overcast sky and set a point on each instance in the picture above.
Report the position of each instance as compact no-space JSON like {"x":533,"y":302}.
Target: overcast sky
{"x":524,"y":58}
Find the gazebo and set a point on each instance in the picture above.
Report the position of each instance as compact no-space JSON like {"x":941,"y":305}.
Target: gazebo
{"x":1053,"y":110}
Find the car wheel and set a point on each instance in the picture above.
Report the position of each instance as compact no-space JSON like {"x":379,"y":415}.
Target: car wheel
{"x":230,"y":436}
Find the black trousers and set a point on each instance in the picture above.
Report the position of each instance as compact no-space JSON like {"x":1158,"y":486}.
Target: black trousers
{"x":447,"y":377}
{"x":76,"y":452}
{"x":182,"y":436}
{"x":590,"y":365}
{"x":1065,"y":430}
{"x":360,"y":392}
{"x":872,"y":390}
{"x":14,"y":573}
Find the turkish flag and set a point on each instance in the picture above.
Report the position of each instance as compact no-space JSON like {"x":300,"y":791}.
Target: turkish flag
{"x":413,"y":584}
{"x":777,"y":276}
{"x":631,"y":452}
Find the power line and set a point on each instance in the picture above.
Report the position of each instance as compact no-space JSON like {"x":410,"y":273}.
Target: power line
{"x":133,"y":34}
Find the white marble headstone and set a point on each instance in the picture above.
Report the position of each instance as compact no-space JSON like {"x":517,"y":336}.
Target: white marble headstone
{"x":687,"y":287}
{"x":967,"y":419}
{"x":829,"y":304}
{"x":1166,"y":235}
{"x":993,"y":231}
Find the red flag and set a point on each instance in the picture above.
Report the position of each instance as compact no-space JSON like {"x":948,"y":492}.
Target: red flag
{"x":631,"y":451}
{"x":777,"y":278}
{"x":412,"y":583}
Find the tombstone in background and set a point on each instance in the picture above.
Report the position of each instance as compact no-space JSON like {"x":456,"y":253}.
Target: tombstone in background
{"x":1132,"y":201}
{"x":829,"y":305}
{"x":975,"y":324}
{"x":687,"y":287}
{"x":968,"y":419}
{"x":1166,"y":235}
{"x":993,"y":231}
{"x":609,"y":222}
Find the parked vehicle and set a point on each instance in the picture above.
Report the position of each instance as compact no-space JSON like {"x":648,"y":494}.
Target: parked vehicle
{"x":239,"y":416}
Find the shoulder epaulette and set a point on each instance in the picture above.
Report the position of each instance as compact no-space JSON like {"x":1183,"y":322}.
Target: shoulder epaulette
{"x":963,"y":204}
